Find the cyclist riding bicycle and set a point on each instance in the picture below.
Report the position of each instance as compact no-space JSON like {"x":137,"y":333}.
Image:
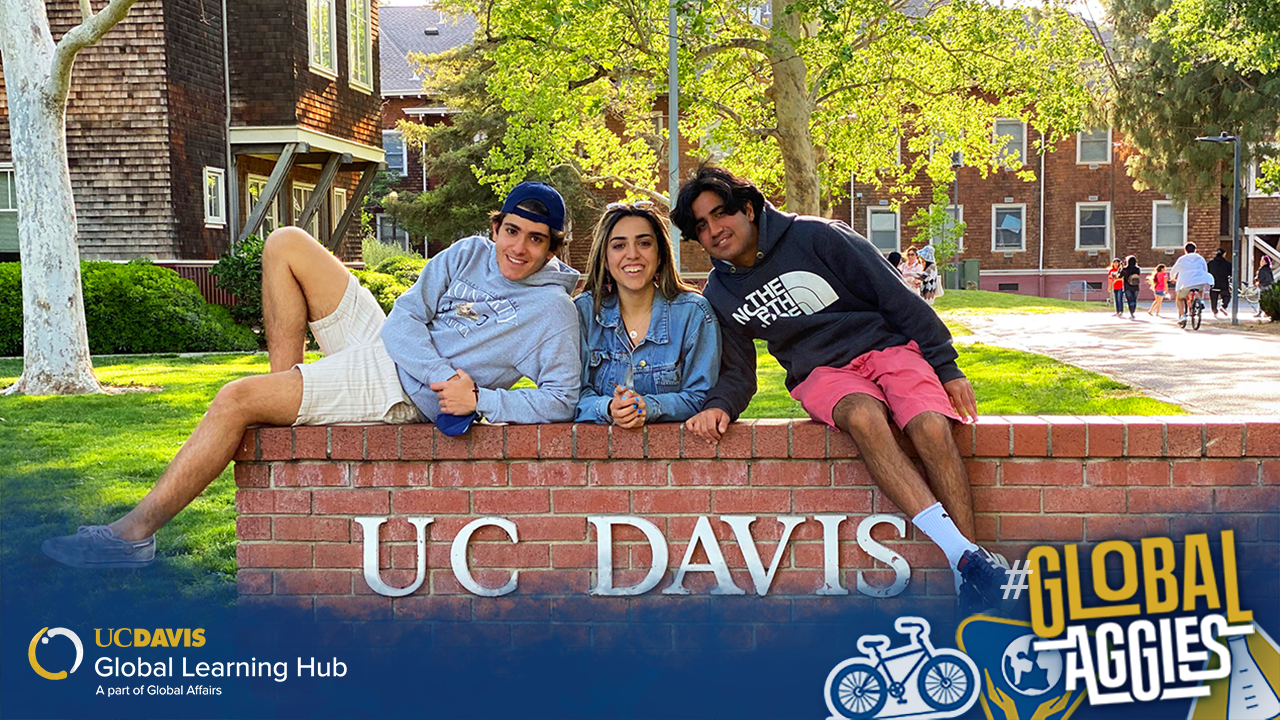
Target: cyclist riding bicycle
{"x":1190,"y":272}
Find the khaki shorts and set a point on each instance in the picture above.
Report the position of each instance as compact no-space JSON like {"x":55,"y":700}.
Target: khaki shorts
{"x":355,"y":381}
{"x":1183,"y":292}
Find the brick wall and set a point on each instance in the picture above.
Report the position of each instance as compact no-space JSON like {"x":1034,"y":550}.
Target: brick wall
{"x":1263,"y":212}
{"x":1036,"y":480}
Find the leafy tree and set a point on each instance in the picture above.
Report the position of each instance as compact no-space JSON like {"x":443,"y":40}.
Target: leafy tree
{"x":796,"y":95}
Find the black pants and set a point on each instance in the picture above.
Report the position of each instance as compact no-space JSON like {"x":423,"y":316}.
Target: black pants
{"x":1224,"y":293}
{"x":1131,"y":297}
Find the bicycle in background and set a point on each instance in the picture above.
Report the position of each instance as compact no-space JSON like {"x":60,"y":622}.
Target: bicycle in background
{"x":1195,"y":309}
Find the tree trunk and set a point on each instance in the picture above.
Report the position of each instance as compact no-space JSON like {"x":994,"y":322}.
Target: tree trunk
{"x":55,"y":341}
{"x":794,"y":113}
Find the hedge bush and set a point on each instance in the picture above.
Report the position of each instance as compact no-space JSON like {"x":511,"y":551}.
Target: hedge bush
{"x":132,"y":308}
{"x":1269,"y":301}
{"x":406,"y":269}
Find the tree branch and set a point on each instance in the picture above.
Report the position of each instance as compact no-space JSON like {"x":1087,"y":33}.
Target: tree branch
{"x":652,"y":194}
{"x":77,"y":38}
{"x":759,"y":46}
{"x":86,"y":10}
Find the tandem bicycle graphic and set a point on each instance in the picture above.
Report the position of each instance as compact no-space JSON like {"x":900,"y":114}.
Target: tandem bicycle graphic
{"x":915,"y":680}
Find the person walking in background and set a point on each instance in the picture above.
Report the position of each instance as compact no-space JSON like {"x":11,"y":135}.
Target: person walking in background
{"x":895,"y":259}
{"x":912,"y":269}
{"x":1159,"y":282}
{"x":930,"y":288}
{"x":1264,"y":278}
{"x":1116,"y":283}
{"x":1220,"y":269}
{"x":1131,"y":277}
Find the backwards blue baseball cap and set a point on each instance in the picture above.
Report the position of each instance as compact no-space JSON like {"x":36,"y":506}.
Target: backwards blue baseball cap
{"x":454,"y":425}
{"x":543,"y":193}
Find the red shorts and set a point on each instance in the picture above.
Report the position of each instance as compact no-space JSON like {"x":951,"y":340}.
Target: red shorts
{"x":898,"y":376}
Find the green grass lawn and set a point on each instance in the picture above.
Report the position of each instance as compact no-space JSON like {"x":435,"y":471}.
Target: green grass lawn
{"x":957,"y":305}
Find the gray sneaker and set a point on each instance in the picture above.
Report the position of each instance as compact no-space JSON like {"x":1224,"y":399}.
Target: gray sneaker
{"x":94,"y":546}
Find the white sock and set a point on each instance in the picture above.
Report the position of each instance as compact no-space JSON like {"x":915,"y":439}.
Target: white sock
{"x":934,"y":522}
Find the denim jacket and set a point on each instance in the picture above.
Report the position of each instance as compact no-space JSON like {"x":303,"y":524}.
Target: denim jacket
{"x":673,"y":367}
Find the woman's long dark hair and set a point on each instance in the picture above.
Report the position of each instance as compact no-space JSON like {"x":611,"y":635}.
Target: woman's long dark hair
{"x":598,"y":277}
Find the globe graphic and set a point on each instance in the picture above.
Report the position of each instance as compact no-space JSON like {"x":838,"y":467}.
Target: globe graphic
{"x":1028,"y":671}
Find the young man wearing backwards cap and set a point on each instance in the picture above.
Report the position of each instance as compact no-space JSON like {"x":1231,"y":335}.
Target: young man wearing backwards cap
{"x":483,"y":314}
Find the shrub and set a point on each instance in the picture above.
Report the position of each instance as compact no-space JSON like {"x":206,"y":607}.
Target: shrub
{"x":385,"y":288}
{"x":406,"y":269}
{"x":375,"y":252}
{"x":1269,"y":301}
{"x":133,"y":308}
{"x":239,"y":272}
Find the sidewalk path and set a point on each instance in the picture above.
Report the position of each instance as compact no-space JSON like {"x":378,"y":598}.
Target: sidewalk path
{"x":1215,"y":370}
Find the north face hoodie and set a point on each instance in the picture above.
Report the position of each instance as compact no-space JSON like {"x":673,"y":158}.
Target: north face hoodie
{"x":463,"y":314}
{"x":820,"y":295}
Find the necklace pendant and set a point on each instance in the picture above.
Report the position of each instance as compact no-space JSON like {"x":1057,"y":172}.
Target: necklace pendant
{"x":632,"y":333}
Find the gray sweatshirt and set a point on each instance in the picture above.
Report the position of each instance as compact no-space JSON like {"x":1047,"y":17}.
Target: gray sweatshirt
{"x":462,"y":314}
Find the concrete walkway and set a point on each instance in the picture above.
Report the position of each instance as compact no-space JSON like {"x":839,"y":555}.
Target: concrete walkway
{"x":1215,"y":370}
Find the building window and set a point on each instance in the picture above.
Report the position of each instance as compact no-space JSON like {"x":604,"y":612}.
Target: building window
{"x":1012,"y":133}
{"x":396,"y":158}
{"x":338,"y":206}
{"x":8,"y":212}
{"x":360,"y":44}
{"x":956,"y":216}
{"x":1093,"y":146}
{"x":390,"y":233}
{"x":882,"y":228}
{"x":256,"y":185}
{"x":1093,"y":226}
{"x":301,"y":196}
{"x":1007,"y":223}
{"x":1168,"y":225}
{"x":215,"y":197}
{"x":1007,"y":287}
{"x":323,"y":49}
{"x":1255,"y":179}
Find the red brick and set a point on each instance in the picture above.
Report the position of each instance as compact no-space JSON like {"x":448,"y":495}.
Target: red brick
{"x":695,"y":448}
{"x":1100,"y":528}
{"x":1068,"y":436}
{"x":310,"y":443}
{"x":991,"y":436}
{"x":592,"y":441}
{"x":1244,"y":526}
{"x":1262,"y":439}
{"x":808,"y":439}
{"x":433,"y":609}
{"x":709,"y":473}
{"x":1223,"y":438}
{"x":1247,"y":500}
{"x":247,"y":450}
{"x":1170,"y":500}
{"x":273,"y":555}
{"x":451,"y":448}
{"x":564,"y":529}
{"x":683,"y":500}
{"x":1040,"y":528}
{"x":1127,"y":472}
{"x":253,"y":582}
{"x":521,"y":441}
{"x":430,"y":502}
{"x":275,"y":443}
{"x":1030,"y":436}
{"x":513,"y":609}
{"x":662,"y":440}
{"x":982,"y":472}
{"x":735,"y":443}
{"x":1143,"y":437}
{"x":346,"y":556}
{"x":252,"y":475}
{"x":772,"y":438}
{"x":751,"y":501}
{"x":273,"y":502}
{"x":382,"y":442}
{"x":1006,"y":500}
{"x":1106,"y":436}
{"x":253,"y":527}
{"x":831,"y":501}
{"x":791,"y":474}
{"x":591,"y":502}
{"x":1215,"y":472}
{"x":1084,"y":500}
{"x":353,"y":608}
{"x":396,"y":578}
{"x":589,"y":609}
{"x":555,"y":441}
{"x":310,"y":474}
{"x":548,"y":474}
{"x":313,"y":582}
{"x":391,"y":474}
{"x":882,"y":504}
{"x":293,"y":606}
{"x":351,"y":502}
{"x":1042,"y":472}
{"x":628,"y":473}
{"x":510,"y":555}
{"x":1184,"y":437}
{"x":469,"y":474}
{"x":986,"y":528}
{"x":626,"y":443}
{"x":961,"y":433}
{"x":346,"y":443}
{"x":417,"y":442}
{"x":314,"y":529}
{"x":501,"y":502}
{"x":577,"y":556}
{"x":1270,"y":472}
{"x":850,"y":473}
{"x":487,"y":442}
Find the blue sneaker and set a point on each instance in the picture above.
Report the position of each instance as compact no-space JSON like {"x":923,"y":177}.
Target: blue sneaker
{"x":94,"y":546}
{"x":983,"y":577}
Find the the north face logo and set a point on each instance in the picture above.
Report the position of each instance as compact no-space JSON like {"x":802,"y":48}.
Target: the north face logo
{"x":788,"y":295}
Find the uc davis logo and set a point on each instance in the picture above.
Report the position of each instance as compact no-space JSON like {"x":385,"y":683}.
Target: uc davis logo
{"x":43,"y":638}
{"x":915,"y":680}
{"x":1019,"y":682}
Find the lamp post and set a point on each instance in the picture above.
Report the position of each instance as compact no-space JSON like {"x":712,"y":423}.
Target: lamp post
{"x":955,"y":205}
{"x":1235,"y":222}
{"x":673,"y":128}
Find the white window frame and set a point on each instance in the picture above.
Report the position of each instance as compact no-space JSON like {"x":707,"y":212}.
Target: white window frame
{"x":996,"y":135}
{"x":958,"y":219}
{"x":1253,"y":181}
{"x":218,"y":219}
{"x":1079,"y":146}
{"x":335,"y":208}
{"x":1106,"y":206}
{"x":272,"y":215}
{"x":364,"y":84}
{"x":995,"y":208}
{"x":403,"y":170}
{"x":897,"y":228}
{"x":330,"y":71}
{"x":7,"y":168}
{"x":1155,"y":204}
{"x":297,"y":207}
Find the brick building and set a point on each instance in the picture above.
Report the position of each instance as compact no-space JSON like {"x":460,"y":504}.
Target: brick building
{"x":1259,"y":225}
{"x":192,"y":124}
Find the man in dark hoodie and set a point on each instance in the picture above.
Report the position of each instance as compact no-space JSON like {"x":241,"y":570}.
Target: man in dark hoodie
{"x":859,"y":348}
{"x":1220,"y":269}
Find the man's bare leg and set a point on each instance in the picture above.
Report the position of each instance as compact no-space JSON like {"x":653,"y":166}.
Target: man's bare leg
{"x":271,"y":399}
{"x":301,"y":281}
{"x":867,"y":422}
{"x":930,"y":432}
